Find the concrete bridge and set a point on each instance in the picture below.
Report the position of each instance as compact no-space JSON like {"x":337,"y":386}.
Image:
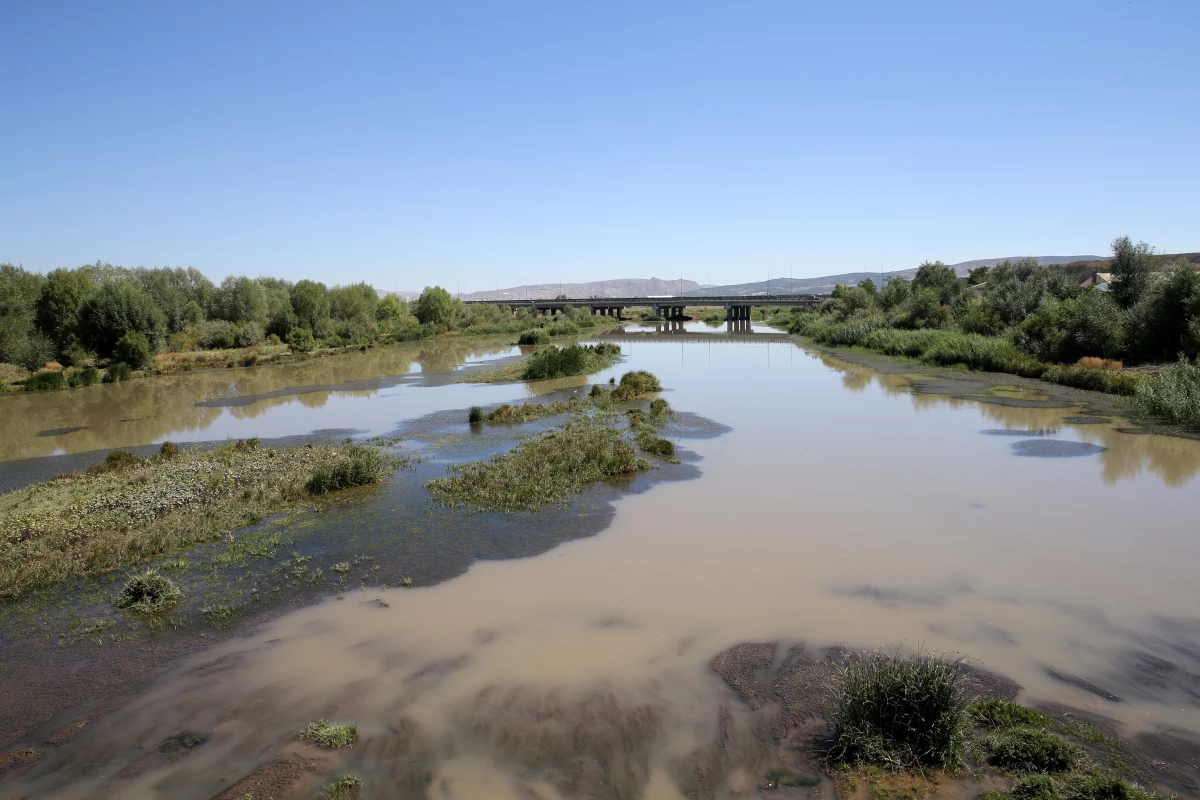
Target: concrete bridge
{"x":736,"y":307}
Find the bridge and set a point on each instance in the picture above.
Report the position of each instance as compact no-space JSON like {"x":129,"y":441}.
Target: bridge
{"x":737,"y":307}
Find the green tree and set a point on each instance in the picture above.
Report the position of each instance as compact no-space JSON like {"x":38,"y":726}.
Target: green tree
{"x":355,"y":300}
{"x":390,"y":308}
{"x":62,"y":295}
{"x":134,"y":349}
{"x":435,"y":306}
{"x":174,"y":289}
{"x":894,"y":293}
{"x":1161,"y":320}
{"x":1132,"y":265}
{"x":868,"y":286}
{"x":114,"y":310}
{"x":33,"y":352}
{"x":310,"y":302}
{"x":193,"y":314}
{"x":936,"y":275}
{"x":978,"y":275}
{"x":241,"y":300}
{"x":19,"y":291}
{"x":280,"y":315}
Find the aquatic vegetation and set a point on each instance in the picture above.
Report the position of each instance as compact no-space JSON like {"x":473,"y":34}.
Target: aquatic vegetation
{"x":148,"y":592}
{"x":331,"y":735}
{"x":513,"y":414}
{"x":129,"y":510}
{"x":45,"y":381}
{"x":360,"y":465}
{"x":117,"y":372}
{"x":1173,"y":396}
{"x":563,"y":362}
{"x":1006,"y":714}
{"x":659,"y":407}
{"x":636,"y":383}
{"x":1086,"y":786}
{"x":474,"y":415}
{"x":1031,"y":750}
{"x":535,"y":336}
{"x":544,"y":470}
{"x":344,"y":788}
{"x":900,"y":710}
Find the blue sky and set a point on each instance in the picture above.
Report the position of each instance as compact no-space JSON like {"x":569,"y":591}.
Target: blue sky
{"x":503,"y":142}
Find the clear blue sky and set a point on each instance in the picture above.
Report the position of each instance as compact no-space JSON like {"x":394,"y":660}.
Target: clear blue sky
{"x":476,"y":143}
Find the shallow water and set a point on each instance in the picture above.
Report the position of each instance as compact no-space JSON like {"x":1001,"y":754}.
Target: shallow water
{"x":841,"y":508}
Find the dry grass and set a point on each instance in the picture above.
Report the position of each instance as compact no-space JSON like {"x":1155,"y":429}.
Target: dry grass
{"x":131,"y":510}
{"x":1092,"y":362}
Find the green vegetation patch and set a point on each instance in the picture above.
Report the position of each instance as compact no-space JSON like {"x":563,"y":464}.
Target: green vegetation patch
{"x":346,"y":787}
{"x":358,"y":465}
{"x":1174,"y":396}
{"x":900,"y":711}
{"x":517,"y":413}
{"x":331,"y":735}
{"x":1004,"y":714}
{"x":129,"y":510}
{"x":541,"y":471}
{"x":563,"y":362}
{"x":636,"y":383}
{"x":1091,"y":786}
{"x":148,"y":592}
{"x":1031,"y":750}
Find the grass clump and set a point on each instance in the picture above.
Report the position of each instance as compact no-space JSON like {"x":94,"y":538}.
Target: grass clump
{"x":346,"y":787}
{"x":120,"y":371}
{"x":635,"y":384}
{"x":148,"y":593}
{"x":361,"y":466}
{"x":45,"y":381}
{"x":1031,"y":750}
{"x":330,"y":735}
{"x":517,"y":413}
{"x":563,"y":362}
{"x":994,"y":714}
{"x":1173,"y":396}
{"x":534,"y":337}
{"x":541,"y":471}
{"x":1088,"y":786}
{"x":474,"y":415}
{"x":900,"y":711}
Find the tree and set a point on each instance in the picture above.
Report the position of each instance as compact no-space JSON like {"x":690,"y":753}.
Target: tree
{"x":355,"y":300}
{"x":936,"y":275}
{"x":114,"y":310}
{"x":280,"y":316}
{"x":19,"y":290}
{"x":390,"y":308}
{"x":174,"y":290}
{"x":1132,"y":265}
{"x":57,"y":312}
{"x":978,"y":275}
{"x":894,"y":293}
{"x":134,"y":349}
{"x":241,"y":300}
{"x":33,"y":352}
{"x":868,"y":286}
{"x":310,"y":302}
{"x":435,"y":306}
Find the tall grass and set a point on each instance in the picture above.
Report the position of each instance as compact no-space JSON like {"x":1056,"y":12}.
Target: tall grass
{"x":361,"y":466}
{"x":1173,"y":396}
{"x":562,"y":362}
{"x":899,"y":711}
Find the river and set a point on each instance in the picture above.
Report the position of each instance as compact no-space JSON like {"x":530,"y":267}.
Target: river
{"x":841,"y":506}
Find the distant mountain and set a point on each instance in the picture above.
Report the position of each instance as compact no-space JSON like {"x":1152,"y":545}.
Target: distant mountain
{"x":645,"y":287}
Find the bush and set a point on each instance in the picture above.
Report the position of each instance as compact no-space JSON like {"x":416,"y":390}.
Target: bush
{"x":149,"y":593}
{"x":1031,"y":750}
{"x":118,"y":308}
{"x":120,"y":371}
{"x":637,"y":382}
{"x":561,"y":362}
{"x":169,"y":450}
{"x":535,"y":336}
{"x":300,"y":340}
{"x":359,"y":467}
{"x":1173,"y":396}
{"x":120,"y":459}
{"x":330,"y":734}
{"x":475,"y":415}
{"x":45,"y":381}
{"x":900,"y":711}
{"x":249,"y":335}
{"x":134,"y":349}
{"x":88,"y":376}
{"x":436,"y":307}
{"x":33,"y":352}
{"x":659,"y":407}
{"x":218,"y":335}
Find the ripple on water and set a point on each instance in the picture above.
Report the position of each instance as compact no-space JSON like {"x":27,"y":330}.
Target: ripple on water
{"x":1055,"y":448}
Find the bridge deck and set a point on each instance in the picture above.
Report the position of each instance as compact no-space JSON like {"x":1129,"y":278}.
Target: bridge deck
{"x":683,"y":301}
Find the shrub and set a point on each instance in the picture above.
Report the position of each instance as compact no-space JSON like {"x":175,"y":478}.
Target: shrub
{"x":563,"y":329}
{"x":249,"y":335}
{"x":436,"y":307}
{"x":659,"y":407}
{"x":475,"y":415}
{"x":120,"y":459}
{"x":561,"y":362}
{"x":218,"y":335}
{"x":169,"y":450}
{"x":1174,"y":395}
{"x":45,"y":381}
{"x":149,"y":593}
{"x":33,"y":352}
{"x":117,"y":308}
{"x":900,"y":711}
{"x":359,"y":467}
{"x":300,"y":340}
{"x":1031,"y":750}
{"x":535,"y":336}
{"x":330,"y":735}
{"x":134,"y":349}
{"x":120,"y":371}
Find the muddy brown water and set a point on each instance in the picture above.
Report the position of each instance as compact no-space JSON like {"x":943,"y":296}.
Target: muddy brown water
{"x":842,"y":508}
